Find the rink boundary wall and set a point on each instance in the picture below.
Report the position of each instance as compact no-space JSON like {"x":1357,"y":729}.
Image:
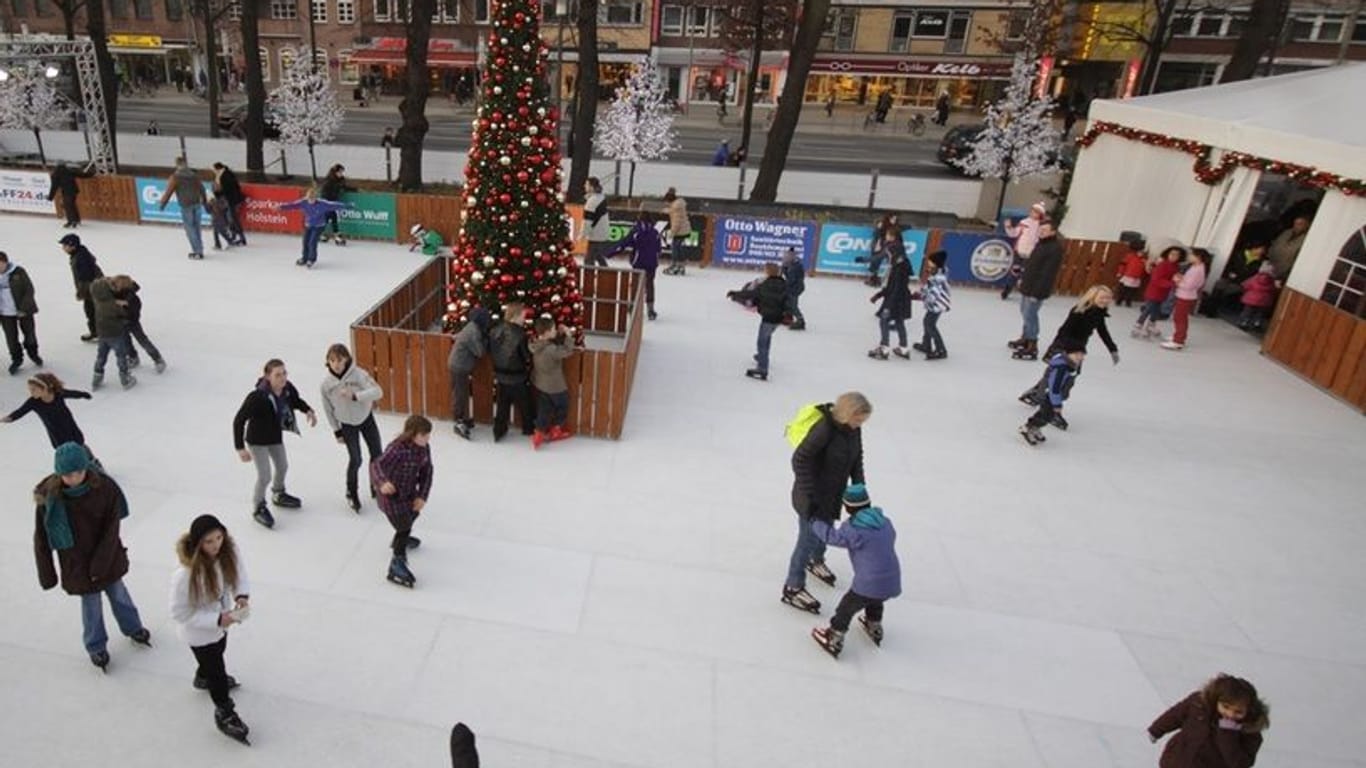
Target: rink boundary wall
{"x":395,"y":340}
{"x":1321,"y":343}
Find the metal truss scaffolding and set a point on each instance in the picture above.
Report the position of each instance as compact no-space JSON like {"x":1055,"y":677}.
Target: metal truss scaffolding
{"x":24,"y":49}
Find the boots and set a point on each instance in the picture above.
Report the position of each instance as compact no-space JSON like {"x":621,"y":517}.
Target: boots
{"x":878,"y":353}
{"x":1028,"y":351}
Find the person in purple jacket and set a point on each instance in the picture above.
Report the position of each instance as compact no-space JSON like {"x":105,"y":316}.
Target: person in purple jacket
{"x":315,"y":219}
{"x":870,"y":537}
{"x":645,"y":245}
{"x":403,"y":476}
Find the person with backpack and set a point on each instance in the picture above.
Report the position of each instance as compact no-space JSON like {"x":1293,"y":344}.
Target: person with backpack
{"x":184,"y":183}
{"x":511,"y":356}
{"x":828,"y":456}
{"x":770,"y":298}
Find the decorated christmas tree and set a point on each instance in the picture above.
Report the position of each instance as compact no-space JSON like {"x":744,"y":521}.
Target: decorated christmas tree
{"x":305,"y":107}
{"x":639,"y":125}
{"x":514,"y":240}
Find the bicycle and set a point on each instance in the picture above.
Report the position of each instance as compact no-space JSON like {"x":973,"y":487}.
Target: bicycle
{"x":916,"y":125}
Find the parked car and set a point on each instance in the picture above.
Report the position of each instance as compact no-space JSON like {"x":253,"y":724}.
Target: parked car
{"x":234,"y":121}
{"x":957,"y":144}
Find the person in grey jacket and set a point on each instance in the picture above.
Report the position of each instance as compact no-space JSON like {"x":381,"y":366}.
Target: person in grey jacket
{"x":470,"y":345}
{"x":17,"y":309}
{"x":596,"y":223}
{"x":349,"y":397}
{"x":184,"y":183}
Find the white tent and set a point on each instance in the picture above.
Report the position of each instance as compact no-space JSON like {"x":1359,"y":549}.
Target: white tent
{"x":1312,"y":119}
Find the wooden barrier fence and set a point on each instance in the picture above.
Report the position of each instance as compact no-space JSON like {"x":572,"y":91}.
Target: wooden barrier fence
{"x":1088,"y":262}
{"x":108,"y":198}
{"x":438,"y":212}
{"x":399,"y":342}
{"x":1321,"y":343}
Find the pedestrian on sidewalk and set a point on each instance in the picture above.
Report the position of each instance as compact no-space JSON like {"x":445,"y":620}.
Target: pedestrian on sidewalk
{"x":333,"y":186}
{"x":597,"y":225}
{"x":225,"y":185}
{"x":680,"y":227}
{"x":1036,"y":285}
{"x":349,"y":395}
{"x":387,"y":140}
{"x":17,"y":308}
{"x":153,"y":129}
{"x":78,"y":513}
{"x":266,"y":413}
{"x":315,"y":220}
{"x":721,"y":157}
{"x":770,"y":299}
{"x":111,"y":325}
{"x":84,"y":271}
{"x":63,"y":180}
{"x":403,"y":476}
{"x":126,"y":296}
{"x":184,"y":183}
{"x":941,"y":109}
{"x":645,"y":244}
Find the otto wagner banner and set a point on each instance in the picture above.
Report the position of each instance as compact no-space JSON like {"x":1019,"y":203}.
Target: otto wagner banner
{"x":149,"y":194}
{"x":976,"y":257}
{"x":742,"y":242}
{"x":845,"y":249}
{"x":25,"y":191}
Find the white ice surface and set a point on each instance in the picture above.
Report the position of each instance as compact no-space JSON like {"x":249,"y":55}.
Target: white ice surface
{"x":615,"y":604}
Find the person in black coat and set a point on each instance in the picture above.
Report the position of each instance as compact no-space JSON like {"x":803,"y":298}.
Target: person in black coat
{"x":84,"y":271}
{"x":226,"y":186}
{"x":770,"y":298}
{"x":794,"y":273}
{"x":1036,"y":285}
{"x":829,"y":457}
{"x":64,"y":181}
{"x":258,"y":435}
{"x":331,"y":189}
{"x":1086,"y":318}
{"x":895,"y":296}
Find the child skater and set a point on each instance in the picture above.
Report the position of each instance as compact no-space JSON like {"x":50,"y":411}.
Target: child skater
{"x":47,"y":397}
{"x":1187,"y":296}
{"x":428,"y":240}
{"x":794,"y":274}
{"x":1218,"y":726}
{"x":349,"y":395}
{"x":769,"y":299}
{"x":1259,"y":297}
{"x":209,"y":593}
{"x":645,"y":245}
{"x":126,"y":296}
{"x":403,"y":476}
{"x":1131,"y":271}
{"x":870,"y":537}
{"x":316,"y":213}
{"x":549,"y":349}
{"x":258,"y":435}
{"x":936,"y":295}
{"x":1160,"y":285}
{"x":1062,"y":369}
{"x":220,"y":211}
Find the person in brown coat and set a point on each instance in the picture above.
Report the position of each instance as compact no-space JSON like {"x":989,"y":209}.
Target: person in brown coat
{"x":78,"y":513}
{"x":1218,"y":726}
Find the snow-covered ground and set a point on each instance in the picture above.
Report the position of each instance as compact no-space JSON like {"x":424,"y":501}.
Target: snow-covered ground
{"x":616,"y":604}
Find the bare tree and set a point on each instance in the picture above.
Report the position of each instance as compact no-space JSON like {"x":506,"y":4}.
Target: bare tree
{"x":69,"y":9}
{"x":750,"y":26}
{"x":210,"y":13}
{"x":1032,"y":27}
{"x":255,"y":128}
{"x":1265,"y":21}
{"x":1150,"y":28}
{"x":585,"y":100}
{"x":109,"y":80}
{"x":416,"y":87}
{"x":800,"y":55}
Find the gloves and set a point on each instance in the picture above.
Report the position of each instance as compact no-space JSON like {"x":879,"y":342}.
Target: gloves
{"x":1115,"y":357}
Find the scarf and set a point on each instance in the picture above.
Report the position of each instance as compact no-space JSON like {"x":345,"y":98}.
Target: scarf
{"x":283,"y":413}
{"x":870,"y":518}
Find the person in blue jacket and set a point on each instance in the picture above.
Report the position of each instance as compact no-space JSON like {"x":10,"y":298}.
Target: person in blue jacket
{"x":1062,"y":371}
{"x":645,"y":245}
{"x":870,"y":537}
{"x":315,"y":219}
{"x":721,"y":157}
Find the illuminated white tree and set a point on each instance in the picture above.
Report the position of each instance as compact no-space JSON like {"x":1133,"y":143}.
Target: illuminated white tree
{"x":304,"y":106}
{"x":639,"y":123}
{"x":32,"y":104}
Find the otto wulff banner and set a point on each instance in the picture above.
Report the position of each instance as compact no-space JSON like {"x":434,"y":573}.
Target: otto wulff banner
{"x":375,"y":216}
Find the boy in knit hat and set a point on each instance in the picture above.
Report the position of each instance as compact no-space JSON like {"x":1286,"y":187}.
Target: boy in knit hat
{"x":870,"y":537}
{"x":429,"y":240}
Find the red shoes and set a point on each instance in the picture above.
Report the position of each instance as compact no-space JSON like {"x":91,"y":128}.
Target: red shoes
{"x":538,"y":438}
{"x":560,"y":433}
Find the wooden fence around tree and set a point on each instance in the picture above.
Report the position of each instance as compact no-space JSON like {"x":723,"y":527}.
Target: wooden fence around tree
{"x":1321,"y":343}
{"x":400,"y":342}
{"x":108,"y":198}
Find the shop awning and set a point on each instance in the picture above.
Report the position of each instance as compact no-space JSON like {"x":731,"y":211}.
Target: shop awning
{"x":711,"y":57}
{"x":394,"y":50}
{"x":829,"y":63}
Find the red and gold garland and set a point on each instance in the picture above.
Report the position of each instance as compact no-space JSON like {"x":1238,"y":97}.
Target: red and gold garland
{"x":1207,"y":172}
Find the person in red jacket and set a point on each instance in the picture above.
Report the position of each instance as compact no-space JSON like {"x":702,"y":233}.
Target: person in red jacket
{"x":1160,"y":285}
{"x":1218,"y":726}
{"x":1132,"y":268}
{"x":1259,"y":297}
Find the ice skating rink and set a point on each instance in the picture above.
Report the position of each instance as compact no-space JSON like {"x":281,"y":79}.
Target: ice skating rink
{"x":616,"y":604}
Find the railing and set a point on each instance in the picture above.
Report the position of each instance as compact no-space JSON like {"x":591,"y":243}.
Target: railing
{"x":1321,"y":343}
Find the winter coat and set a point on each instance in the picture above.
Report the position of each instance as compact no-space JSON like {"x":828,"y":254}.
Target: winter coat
{"x":1079,"y":326}
{"x":828,"y":459}
{"x":679,"y":225}
{"x":1041,"y":271}
{"x":509,"y":352}
{"x":896,"y":292}
{"x":1200,"y":741}
{"x":936,"y":294}
{"x":351,"y":410}
{"x":186,"y":186}
{"x":1133,"y":268}
{"x":1162,"y":281}
{"x":258,"y":423}
{"x":645,"y":245}
{"x":1058,"y":378}
{"x":132,"y":306}
{"x":1240,"y":267}
{"x":20,"y":287}
{"x":98,"y":558}
{"x":197,"y":623}
{"x":794,"y":272}
{"x":333,"y":186}
{"x":469,"y":347}
{"x":315,"y":211}
{"x":110,"y":320}
{"x":227,"y":187}
{"x":64,"y":181}
{"x":1284,"y":250}
{"x":1191,"y":283}
{"x":1026,"y":234}
{"x":409,"y":467}
{"x":769,"y":297}
{"x":872,"y":551}
{"x":56,"y":417}
{"x":84,"y":270}
{"x":597,"y":225}
{"x":1260,"y":291}
{"x":547,"y":365}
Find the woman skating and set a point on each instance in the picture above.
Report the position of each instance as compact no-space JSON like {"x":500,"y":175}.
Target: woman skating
{"x":209,"y":593}
{"x":403,"y":476}
{"x":258,"y":435}
{"x":349,"y":395}
{"x":1087,"y":317}
{"x":896,"y":299}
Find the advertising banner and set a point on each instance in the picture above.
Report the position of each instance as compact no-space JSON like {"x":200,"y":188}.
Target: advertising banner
{"x":25,"y":191}
{"x":750,"y":243}
{"x":623,"y":219}
{"x":845,"y":249}
{"x":149,"y":194}
{"x":375,"y":216}
{"x":975,"y":257}
{"x":261,"y":212}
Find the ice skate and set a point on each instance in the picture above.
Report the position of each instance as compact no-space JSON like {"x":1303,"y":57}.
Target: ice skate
{"x":1059,"y":422}
{"x":1137,"y":332}
{"x":339,"y":240}
{"x":101,"y":660}
{"x":832,"y":640}
{"x":462,"y":430}
{"x":282,"y":499}
{"x":1029,"y":351}
{"x":819,"y":570}
{"x":1032,"y":435}
{"x":538,"y":438}
{"x":399,"y":573}
{"x":160,"y":366}
{"x":96,"y":381}
{"x":558,"y":433}
{"x":128,"y":381}
{"x":801,"y":600}
{"x":878,"y":353}
{"x":202,"y":684}
{"x":873,"y":629}
{"x":921,"y":348}
{"x":353,"y":501}
{"x":902,"y":353}
{"x":1030,"y":399}
{"x":231,"y":725}
{"x":142,"y":637}
{"x":755,"y":373}
{"x":413,"y":542}
{"x":263,"y":516}
{"x":1016,"y":344}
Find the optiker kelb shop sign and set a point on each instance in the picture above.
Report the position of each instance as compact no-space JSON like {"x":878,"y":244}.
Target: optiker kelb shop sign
{"x":751,"y":243}
{"x":845,"y":249}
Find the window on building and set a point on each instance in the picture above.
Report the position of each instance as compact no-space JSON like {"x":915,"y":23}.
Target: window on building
{"x":1321,"y":28}
{"x":348,"y":71}
{"x":1209,"y":25}
{"x":671,"y":20}
{"x":319,"y":10}
{"x":705,"y":21}
{"x":175,"y":10}
{"x":382,"y":11}
{"x":1236,"y":22}
{"x":142,"y":9}
{"x":1359,"y":32}
{"x":117,"y":8}
{"x":265,"y":63}
{"x":320,"y":61}
{"x":840,"y":26}
{"x":346,"y":11}
{"x":446,"y":12}
{"x":901,"y":31}
{"x":1346,"y":284}
{"x":283,"y":9}
{"x":481,"y":11}
{"x":959,"y":21}
{"x":620,"y":12}
{"x":19,"y":8}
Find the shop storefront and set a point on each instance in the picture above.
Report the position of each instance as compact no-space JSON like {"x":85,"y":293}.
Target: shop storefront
{"x":147,"y":59}
{"x":452,"y":66}
{"x":913,"y":82}
{"x":614,"y":68}
{"x":711,"y":75}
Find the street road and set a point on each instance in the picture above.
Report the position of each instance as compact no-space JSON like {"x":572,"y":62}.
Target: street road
{"x":837,"y":144}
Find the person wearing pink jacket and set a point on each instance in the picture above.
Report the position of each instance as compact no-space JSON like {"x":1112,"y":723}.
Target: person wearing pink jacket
{"x":1026,"y":234}
{"x":1188,"y":289}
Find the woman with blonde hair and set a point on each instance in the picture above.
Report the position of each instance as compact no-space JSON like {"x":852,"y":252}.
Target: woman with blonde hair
{"x":209,"y":593}
{"x":1087,"y":317}
{"x":828,"y":458}
{"x":315,"y":214}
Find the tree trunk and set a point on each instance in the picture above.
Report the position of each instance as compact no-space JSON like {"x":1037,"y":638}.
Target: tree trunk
{"x":109,"y":81}
{"x":206,"y":16}
{"x":256,"y":88}
{"x":755,"y":57}
{"x":1160,"y":37}
{"x":800,"y":56}
{"x":586,"y":100}
{"x":42,"y":156}
{"x":413,"y":132}
{"x":1263,"y":25}
{"x":631,"y":187}
{"x":1005,"y":184}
